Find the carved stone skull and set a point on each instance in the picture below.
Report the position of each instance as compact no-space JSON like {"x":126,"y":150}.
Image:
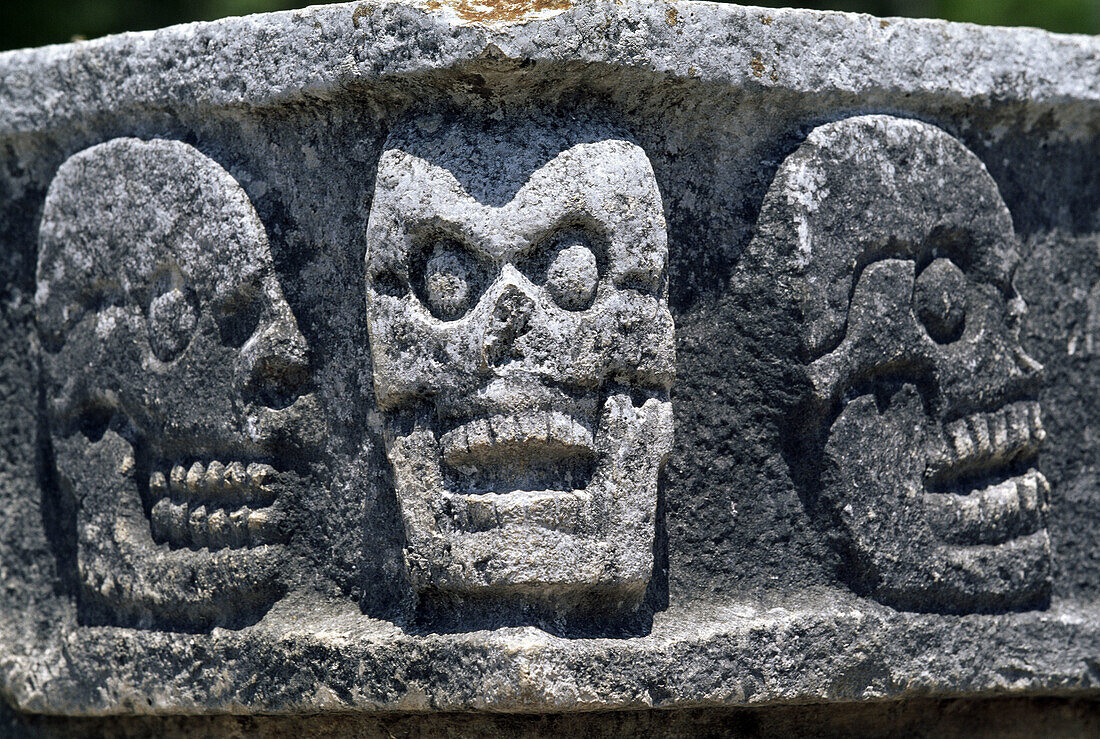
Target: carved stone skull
{"x":522,"y":353}
{"x":173,"y":371}
{"x":894,"y":242}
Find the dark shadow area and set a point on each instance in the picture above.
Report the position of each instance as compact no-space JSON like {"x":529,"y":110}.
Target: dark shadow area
{"x":591,"y":617}
{"x":58,"y":506}
{"x":1003,"y":718}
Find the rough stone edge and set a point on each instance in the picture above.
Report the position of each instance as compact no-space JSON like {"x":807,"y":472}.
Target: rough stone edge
{"x":321,"y":50}
{"x":773,"y":656}
{"x":56,"y":86}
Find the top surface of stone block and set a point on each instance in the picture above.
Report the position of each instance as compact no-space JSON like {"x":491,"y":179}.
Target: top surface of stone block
{"x":538,"y":357}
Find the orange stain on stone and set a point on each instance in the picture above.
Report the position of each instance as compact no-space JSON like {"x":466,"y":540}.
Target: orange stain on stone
{"x":499,"y":11}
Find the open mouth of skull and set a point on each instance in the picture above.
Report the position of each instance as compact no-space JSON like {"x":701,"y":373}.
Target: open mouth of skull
{"x":215,"y":505}
{"x":981,"y":487}
{"x":531,"y":467}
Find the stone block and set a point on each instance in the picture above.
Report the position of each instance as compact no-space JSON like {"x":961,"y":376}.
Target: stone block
{"x":538,"y":358}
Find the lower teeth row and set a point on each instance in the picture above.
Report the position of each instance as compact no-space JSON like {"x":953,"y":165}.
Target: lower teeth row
{"x":182,"y":525}
{"x":991,"y":515}
{"x":557,"y":511}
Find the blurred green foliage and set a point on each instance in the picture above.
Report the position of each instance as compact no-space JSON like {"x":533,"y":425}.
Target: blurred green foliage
{"x":38,"y":22}
{"x":1064,"y":16}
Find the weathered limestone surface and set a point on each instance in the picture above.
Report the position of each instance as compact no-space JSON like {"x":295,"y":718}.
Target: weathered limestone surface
{"x":390,"y":357}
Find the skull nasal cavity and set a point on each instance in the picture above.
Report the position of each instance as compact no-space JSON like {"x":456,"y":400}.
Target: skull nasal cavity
{"x":279,"y":366}
{"x":506,"y":324}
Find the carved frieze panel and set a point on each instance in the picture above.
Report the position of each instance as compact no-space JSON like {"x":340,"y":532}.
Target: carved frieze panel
{"x":373,"y":358}
{"x":522,"y":356}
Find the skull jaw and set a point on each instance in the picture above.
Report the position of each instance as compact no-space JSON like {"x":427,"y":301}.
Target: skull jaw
{"x":592,"y":555}
{"x":139,"y":588}
{"x":127,"y":579}
{"x":1012,"y":576}
{"x":541,"y":573}
{"x":878,"y":494}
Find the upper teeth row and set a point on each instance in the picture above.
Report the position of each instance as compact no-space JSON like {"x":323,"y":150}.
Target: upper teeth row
{"x":485,"y":437}
{"x":997,"y":437}
{"x":214,"y":481}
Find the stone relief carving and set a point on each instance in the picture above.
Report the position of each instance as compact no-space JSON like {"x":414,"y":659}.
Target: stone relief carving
{"x":1092,"y":322}
{"x":921,"y":437}
{"x":522,"y":349}
{"x":523,"y":354}
{"x":174,"y":374}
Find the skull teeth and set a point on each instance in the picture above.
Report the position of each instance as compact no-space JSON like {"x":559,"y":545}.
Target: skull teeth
{"x":550,"y":434}
{"x":552,"y":510}
{"x":214,"y":505}
{"x":200,"y":526}
{"x":992,"y":515}
{"x":987,"y":440}
{"x":215,"y":482}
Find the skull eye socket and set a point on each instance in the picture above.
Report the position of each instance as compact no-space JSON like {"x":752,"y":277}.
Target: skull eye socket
{"x":238,"y":319}
{"x":939,"y":300}
{"x":172,"y":316}
{"x":450,"y":280}
{"x":567,"y":266}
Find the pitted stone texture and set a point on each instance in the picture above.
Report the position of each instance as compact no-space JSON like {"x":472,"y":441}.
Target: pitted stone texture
{"x":750,"y":597}
{"x":166,"y":339}
{"x":243,"y":60}
{"x":523,"y":351}
{"x":894,"y":243}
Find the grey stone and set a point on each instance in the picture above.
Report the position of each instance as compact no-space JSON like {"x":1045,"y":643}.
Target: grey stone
{"x":922,"y":429}
{"x":526,"y":378}
{"x":384,"y":357}
{"x":166,"y":339}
